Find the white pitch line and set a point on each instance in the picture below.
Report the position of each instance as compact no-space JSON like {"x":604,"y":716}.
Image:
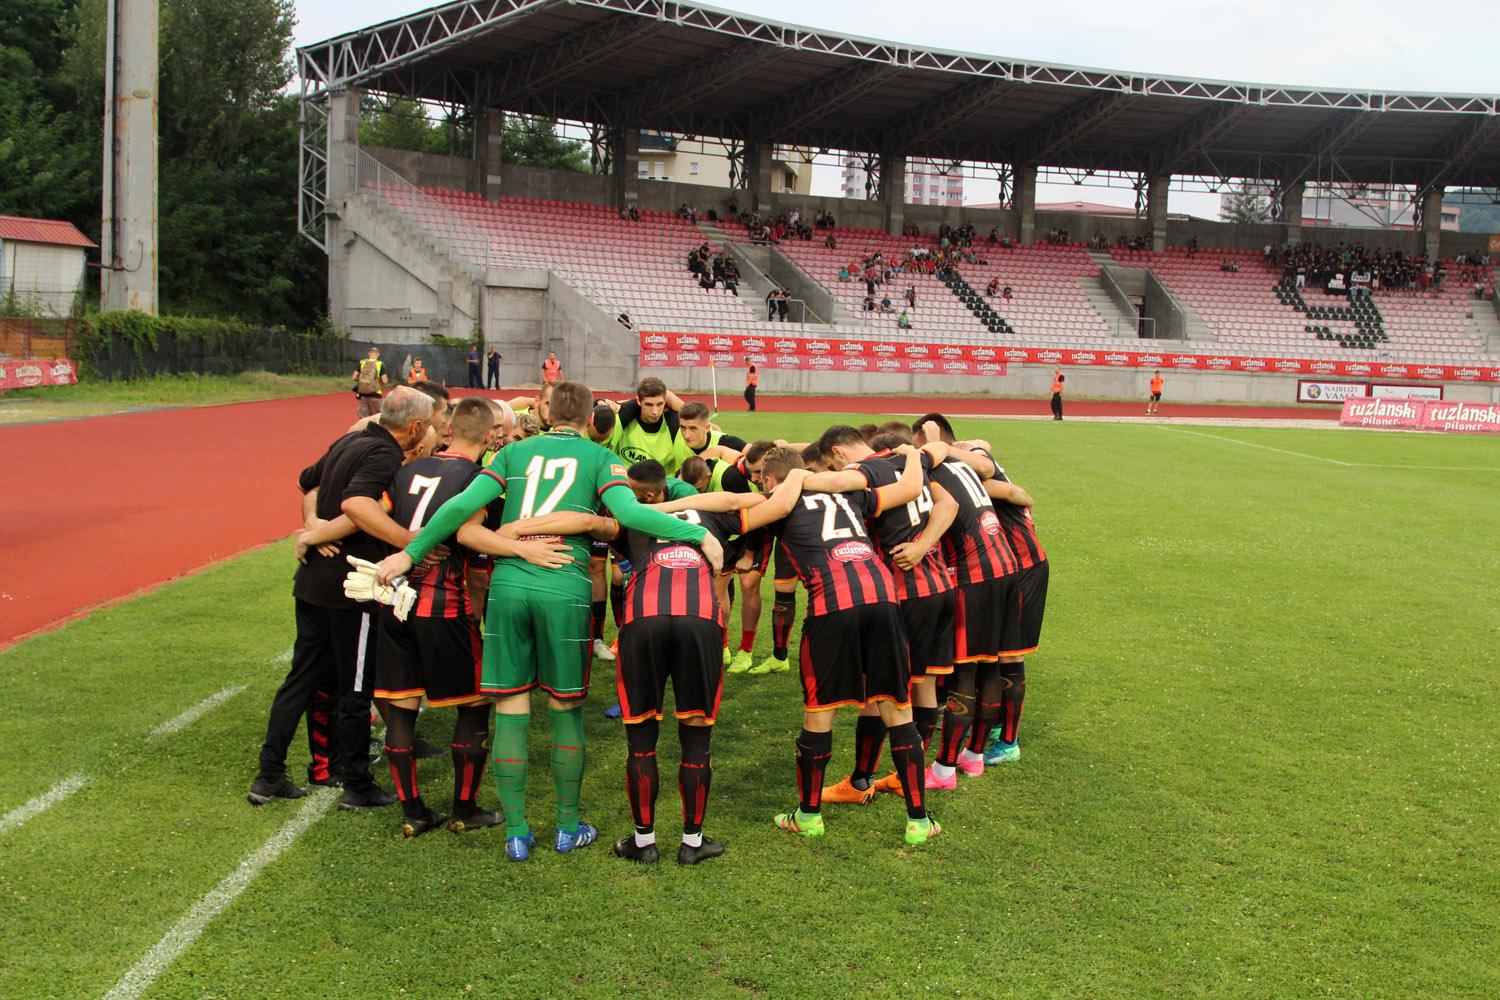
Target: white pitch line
{"x":1324,"y":458}
{"x":43,"y":802}
{"x":195,"y":713}
{"x":285,"y":657}
{"x":186,"y":931}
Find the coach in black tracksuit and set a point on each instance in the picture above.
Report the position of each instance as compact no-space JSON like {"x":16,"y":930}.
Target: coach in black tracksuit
{"x":335,"y":647}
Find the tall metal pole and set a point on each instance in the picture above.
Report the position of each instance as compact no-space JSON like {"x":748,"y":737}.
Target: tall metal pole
{"x":128,"y":245}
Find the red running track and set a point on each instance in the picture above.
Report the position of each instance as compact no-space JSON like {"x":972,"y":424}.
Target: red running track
{"x":104,"y":508}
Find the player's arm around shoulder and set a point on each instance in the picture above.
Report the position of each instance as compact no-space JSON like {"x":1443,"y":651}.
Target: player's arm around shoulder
{"x":908,"y":487}
{"x":779,"y":504}
{"x":1009,"y":493}
{"x":717,"y":503}
{"x":838,"y":481}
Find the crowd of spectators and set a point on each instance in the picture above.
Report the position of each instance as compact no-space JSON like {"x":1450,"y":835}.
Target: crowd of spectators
{"x":714,"y":269}
{"x":1354,"y":269}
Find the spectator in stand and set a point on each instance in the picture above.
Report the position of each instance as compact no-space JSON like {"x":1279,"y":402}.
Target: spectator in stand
{"x":993,"y":288}
{"x":870,"y":303}
{"x":784,"y":304}
{"x":551,"y":369}
{"x":994,"y":238}
{"x":731,"y":276}
{"x":1192,"y":247}
{"x":1005,"y":295}
{"x":844,"y":274}
{"x":831,"y":241}
{"x":417,"y":372}
{"x":706,"y":280}
{"x":911,"y":296}
{"x":475,"y":382}
{"x":903,"y":322}
{"x":492,"y":376}
{"x":885,"y":305}
{"x":1228,"y":266}
{"x":771,"y":297}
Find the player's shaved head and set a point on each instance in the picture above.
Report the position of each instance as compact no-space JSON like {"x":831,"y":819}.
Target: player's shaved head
{"x":571,"y":403}
{"x":473,"y":420}
{"x":944,"y":428}
{"x":602,"y":422}
{"x":648,"y":480}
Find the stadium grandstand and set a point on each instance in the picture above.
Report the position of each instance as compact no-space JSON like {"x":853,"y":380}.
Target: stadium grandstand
{"x":888,"y":296}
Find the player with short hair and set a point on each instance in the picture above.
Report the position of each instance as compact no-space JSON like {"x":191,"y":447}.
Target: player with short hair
{"x":435,"y":652}
{"x":905,"y":533}
{"x":649,"y":427}
{"x":537,"y":633}
{"x":1015,"y":515}
{"x":985,"y":569}
{"x":853,"y":645}
{"x":696,"y":424}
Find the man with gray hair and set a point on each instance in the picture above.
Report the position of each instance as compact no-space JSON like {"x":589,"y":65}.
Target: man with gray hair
{"x":335,"y":645}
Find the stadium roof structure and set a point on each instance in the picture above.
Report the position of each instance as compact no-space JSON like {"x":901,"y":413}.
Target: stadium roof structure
{"x":697,"y":70}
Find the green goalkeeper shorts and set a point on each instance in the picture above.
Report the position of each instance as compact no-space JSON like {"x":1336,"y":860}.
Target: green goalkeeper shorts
{"x":534,"y":640}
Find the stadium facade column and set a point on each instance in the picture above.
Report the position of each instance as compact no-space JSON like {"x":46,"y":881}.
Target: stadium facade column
{"x":1291,"y":212}
{"x":1157,"y":190}
{"x":625,"y":168}
{"x":893,"y":192}
{"x":1432,"y":222}
{"x":343,"y":149}
{"x":759,"y":168}
{"x":489,"y":133}
{"x":1023,"y":203}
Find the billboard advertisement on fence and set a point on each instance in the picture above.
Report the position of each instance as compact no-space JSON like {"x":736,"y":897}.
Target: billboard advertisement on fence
{"x":1383,"y":391}
{"x":1309,"y":391}
{"x":729,"y":350}
{"x":1422,"y":415}
{"x":25,"y":374}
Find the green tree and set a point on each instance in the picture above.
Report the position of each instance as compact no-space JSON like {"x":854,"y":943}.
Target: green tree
{"x":1247,"y":204}
{"x":400,"y":123}
{"x":533,"y":142}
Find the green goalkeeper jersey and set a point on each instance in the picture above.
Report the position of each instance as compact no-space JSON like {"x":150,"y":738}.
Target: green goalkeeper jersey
{"x":554,"y":472}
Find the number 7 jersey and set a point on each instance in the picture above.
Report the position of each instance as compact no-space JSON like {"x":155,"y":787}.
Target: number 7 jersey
{"x":824,"y":541}
{"x":553,"y":473}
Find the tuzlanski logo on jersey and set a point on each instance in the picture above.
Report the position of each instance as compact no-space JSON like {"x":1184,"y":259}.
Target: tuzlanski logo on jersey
{"x":990,"y":522}
{"x":678,"y":557}
{"x":849,"y":552}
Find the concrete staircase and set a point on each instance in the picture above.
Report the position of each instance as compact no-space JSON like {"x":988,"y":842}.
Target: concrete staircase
{"x":1486,"y":324}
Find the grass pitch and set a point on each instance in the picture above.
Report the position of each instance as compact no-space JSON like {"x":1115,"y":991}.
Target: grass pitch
{"x":1259,"y":759}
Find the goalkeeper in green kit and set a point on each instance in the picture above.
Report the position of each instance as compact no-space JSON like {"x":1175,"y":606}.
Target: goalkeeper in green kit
{"x":536,"y":629}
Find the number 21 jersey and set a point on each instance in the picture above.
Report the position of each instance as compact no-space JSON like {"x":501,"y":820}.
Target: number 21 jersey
{"x":824,"y":541}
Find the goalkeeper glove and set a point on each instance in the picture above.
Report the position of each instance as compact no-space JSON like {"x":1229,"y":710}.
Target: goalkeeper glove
{"x":362,"y":584}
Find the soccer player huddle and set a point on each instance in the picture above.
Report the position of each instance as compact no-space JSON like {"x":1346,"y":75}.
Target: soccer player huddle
{"x":925,"y":589}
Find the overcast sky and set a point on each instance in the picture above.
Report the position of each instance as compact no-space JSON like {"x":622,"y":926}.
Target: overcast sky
{"x":1372,"y":45}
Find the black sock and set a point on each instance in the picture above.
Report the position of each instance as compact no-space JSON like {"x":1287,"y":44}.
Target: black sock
{"x":813,"y":751}
{"x":471,"y":746}
{"x":869,"y":737}
{"x":400,"y":727}
{"x":617,"y":603}
{"x":926,"y":720}
{"x":906,"y":754}
{"x":596,"y":618}
{"x":990,"y":687}
{"x":958,"y":715}
{"x":694,"y":775}
{"x":783,"y":613}
{"x":1012,"y":699}
{"x":641,"y":779}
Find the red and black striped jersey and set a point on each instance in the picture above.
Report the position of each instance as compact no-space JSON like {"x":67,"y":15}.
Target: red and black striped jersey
{"x":975,"y":545}
{"x":1019,"y":528}
{"x":674,"y":578}
{"x":894,"y":527}
{"x":416,"y":493}
{"x":823,"y":540}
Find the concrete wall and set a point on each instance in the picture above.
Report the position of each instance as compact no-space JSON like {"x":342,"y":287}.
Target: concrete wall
{"x":1158,"y":304}
{"x":427,"y":169}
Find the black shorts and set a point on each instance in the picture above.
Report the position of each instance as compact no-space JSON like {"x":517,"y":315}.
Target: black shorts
{"x":855,"y":656}
{"x":759,"y":544}
{"x":436,"y":657}
{"x":980,"y":619}
{"x":1156,"y":397}
{"x":929,"y":622}
{"x":598,"y":549}
{"x":687,"y":651}
{"x":1031,"y":592}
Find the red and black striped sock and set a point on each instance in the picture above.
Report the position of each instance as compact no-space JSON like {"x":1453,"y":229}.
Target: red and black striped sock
{"x":694,"y":775}
{"x":991,"y":687}
{"x":400,"y":727}
{"x":617,"y":603}
{"x":958,"y":715}
{"x":869,"y":738}
{"x":906,"y":754}
{"x":1012,"y":699}
{"x":596,"y":618}
{"x":813,"y":751}
{"x":471,"y":748}
{"x":641,"y":779}
{"x":783,"y":614}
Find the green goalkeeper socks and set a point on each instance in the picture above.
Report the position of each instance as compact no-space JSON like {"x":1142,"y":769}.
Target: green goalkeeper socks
{"x":509,"y":762}
{"x":567,"y":765}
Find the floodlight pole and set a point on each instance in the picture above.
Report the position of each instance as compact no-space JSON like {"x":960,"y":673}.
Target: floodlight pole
{"x":128,"y":250}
